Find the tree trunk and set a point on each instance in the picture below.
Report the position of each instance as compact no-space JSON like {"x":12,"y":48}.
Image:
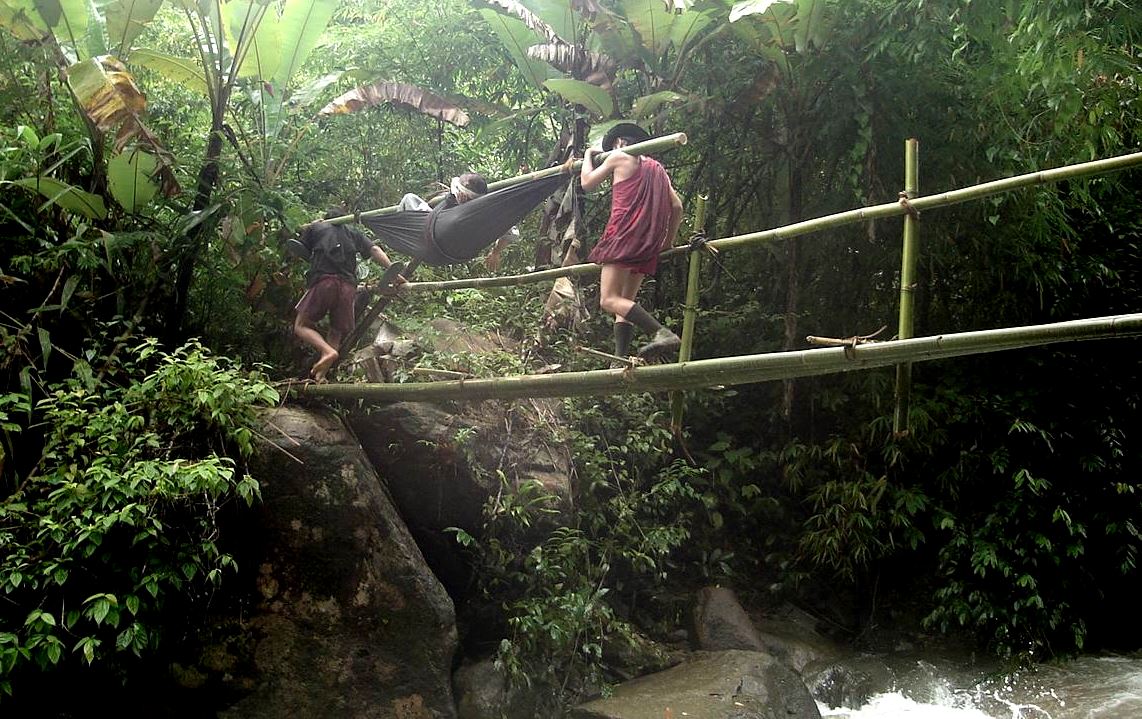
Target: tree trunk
{"x":793,"y":285}
{"x":198,"y":237}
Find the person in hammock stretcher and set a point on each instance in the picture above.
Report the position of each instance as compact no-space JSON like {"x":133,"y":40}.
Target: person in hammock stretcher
{"x":467,"y":186}
{"x":645,"y":215}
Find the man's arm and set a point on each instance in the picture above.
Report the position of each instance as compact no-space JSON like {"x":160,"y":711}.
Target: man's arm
{"x":590,"y":176}
{"x":378,"y":255}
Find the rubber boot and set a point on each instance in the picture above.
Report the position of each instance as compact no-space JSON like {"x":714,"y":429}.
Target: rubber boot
{"x":624,"y":332}
{"x":664,"y":342}
{"x":662,"y":339}
{"x":642,"y":319}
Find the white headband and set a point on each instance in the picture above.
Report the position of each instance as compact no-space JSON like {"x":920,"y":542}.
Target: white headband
{"x":462,"y":191}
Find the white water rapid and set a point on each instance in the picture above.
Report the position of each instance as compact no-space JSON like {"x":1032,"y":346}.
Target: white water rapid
{"x":1108,"y":687}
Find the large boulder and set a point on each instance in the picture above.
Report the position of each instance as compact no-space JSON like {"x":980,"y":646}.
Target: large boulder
{"x":717,"y":685}
{"x":791,"y":635}
{"x":443,"y":464}
{"x":483,"y":691}
{"x":348,"y":619}
{"x":720,"y":622}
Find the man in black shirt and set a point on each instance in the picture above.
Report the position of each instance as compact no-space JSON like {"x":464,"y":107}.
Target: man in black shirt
{"x":331,"y":286}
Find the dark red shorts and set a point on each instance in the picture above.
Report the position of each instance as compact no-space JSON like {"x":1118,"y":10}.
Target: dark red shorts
{"x":331,"y":295}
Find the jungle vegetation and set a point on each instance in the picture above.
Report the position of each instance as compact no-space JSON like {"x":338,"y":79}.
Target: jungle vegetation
{"x":154,"y":156}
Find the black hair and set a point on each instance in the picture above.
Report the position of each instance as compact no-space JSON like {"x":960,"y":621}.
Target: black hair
{"x":475,"y":182}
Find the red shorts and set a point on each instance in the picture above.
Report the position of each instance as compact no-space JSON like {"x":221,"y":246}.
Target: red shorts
{"x":331,"y":295}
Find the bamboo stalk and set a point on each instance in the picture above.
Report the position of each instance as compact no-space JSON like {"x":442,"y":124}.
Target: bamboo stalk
{"x":862,"y":214}
{"x":738,"y":370}
{"x":655,"y":144}
{"x":904,"y":331}
{"x":689,"y":313}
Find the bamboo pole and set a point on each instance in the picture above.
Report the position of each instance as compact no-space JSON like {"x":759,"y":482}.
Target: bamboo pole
{"x":689,"y":312}
{"x":737,"y":370}
{"x":655,"y":144}
{"x":786,"y":232}
{"x":907,"y":282}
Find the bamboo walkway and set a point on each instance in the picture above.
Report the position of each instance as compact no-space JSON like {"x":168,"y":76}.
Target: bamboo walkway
{"x":728,"y":371}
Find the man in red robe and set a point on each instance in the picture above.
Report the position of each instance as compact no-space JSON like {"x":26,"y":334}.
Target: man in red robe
{"x":645,"y":215}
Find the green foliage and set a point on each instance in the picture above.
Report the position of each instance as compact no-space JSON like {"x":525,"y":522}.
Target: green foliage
{"x":116,"y":526}
{"x":571,"y":583}
{"x":1049,"y":530}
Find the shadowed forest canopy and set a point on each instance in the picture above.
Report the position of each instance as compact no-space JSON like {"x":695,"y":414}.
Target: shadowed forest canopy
{"x":155,"y":157}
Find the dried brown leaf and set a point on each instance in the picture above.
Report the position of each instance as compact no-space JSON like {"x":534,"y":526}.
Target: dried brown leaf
{"x":397,"y":93}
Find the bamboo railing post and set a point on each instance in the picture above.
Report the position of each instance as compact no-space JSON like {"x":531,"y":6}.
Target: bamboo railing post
{"x":907,"y":281}
{"x":689,"y":312}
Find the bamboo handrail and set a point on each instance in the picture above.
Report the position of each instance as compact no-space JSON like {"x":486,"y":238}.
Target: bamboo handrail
{"x":862,"y":214}
{"x":645,"y":147}
{"x":746,"y":369}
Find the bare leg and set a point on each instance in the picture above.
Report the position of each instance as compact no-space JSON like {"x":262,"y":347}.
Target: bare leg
{"x":307,"y":333}
{"x":615,"y":285}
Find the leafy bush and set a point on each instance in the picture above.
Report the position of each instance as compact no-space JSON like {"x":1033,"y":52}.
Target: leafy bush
{"x":570,"y":584}
{"x":117,"y":522}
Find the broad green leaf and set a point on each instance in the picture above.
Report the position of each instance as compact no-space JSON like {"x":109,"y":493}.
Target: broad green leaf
{"x":559,"y":15}
{"x":70,"y":198}
{"x":597,"y":131}
{"x":301,"y":23}
{"x":20,"y":18}
{"x":752,"y":7}
{"x":306,"y":94}
{"x":68,"y":290}
{"x":810,"y":28}
{"x":126,"y":19}
{"x":28,"y":135}
{"x":66,"y":18}
{"x":652,"y":22}
{"x":516,"y":38}
{"x":595,"y":99}
{"x":129,"y":177}
{"x":647,"y":105}
{"x":46,"y":351}
{"x":280,"y":47}
{"x":255,"y":31}
{"x":688,"y":26}
{"x":184,"y":71}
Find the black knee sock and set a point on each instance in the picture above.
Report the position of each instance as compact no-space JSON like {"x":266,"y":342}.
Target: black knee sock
{"x":624,"y":331}
{"x":642,"y":319}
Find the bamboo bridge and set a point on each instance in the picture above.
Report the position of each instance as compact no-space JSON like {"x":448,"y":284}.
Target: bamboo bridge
{"x":689,"y":374}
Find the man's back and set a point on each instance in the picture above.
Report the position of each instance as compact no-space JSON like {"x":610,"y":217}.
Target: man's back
{"x":334,"y":250}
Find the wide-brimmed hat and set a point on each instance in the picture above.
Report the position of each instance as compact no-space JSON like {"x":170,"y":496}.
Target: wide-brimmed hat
{"x":628,"y":130}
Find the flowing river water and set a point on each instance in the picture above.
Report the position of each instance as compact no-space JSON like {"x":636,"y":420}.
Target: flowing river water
{"x":872,"y":687}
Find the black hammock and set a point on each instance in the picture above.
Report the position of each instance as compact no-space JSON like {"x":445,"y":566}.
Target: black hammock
{"x":454,"y":233}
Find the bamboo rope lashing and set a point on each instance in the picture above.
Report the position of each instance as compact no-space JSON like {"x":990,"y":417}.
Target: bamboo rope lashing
{"x":726,"y":371}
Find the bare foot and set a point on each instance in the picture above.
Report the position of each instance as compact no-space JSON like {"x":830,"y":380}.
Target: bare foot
{"x":321,"y":367}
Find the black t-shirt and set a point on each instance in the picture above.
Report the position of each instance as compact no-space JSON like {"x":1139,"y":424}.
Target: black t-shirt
{"x":333,"y":251}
